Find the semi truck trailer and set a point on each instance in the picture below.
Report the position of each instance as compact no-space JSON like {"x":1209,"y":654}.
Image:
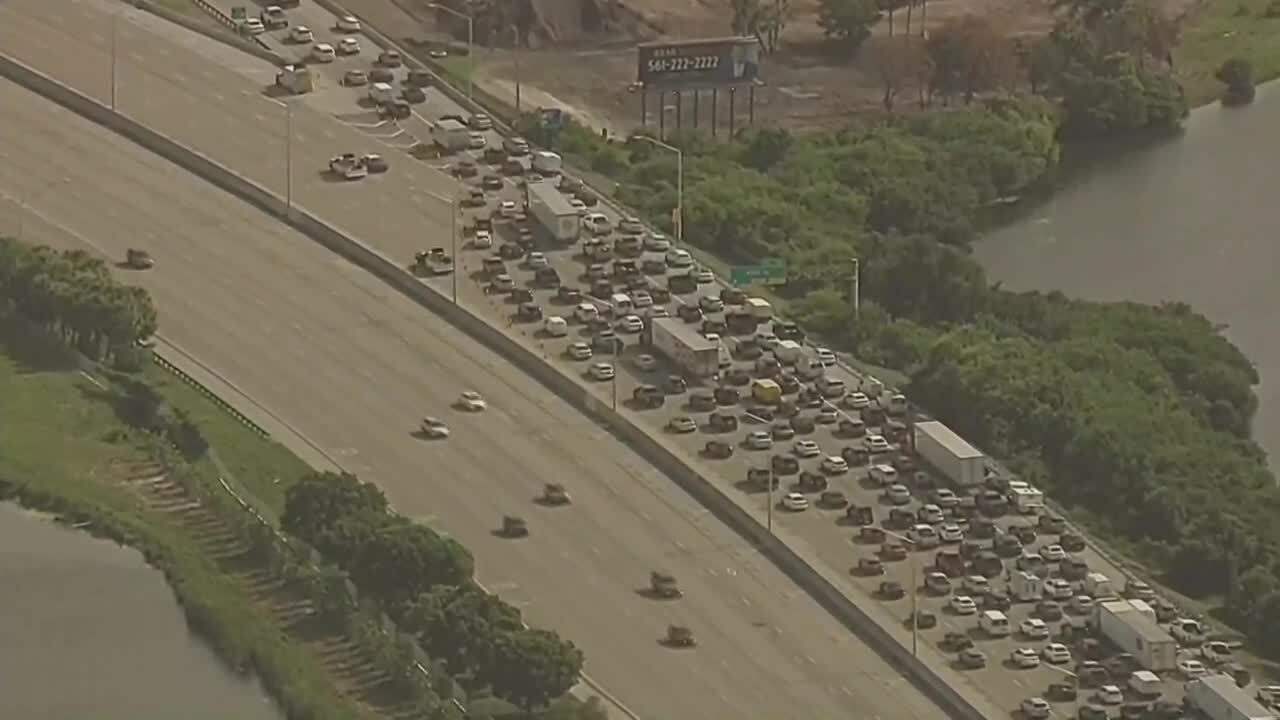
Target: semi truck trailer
{"x":950,"y":454}
{"x":552,"y":211}
{"x":1131,"y":630}
{"x":695,"y":354}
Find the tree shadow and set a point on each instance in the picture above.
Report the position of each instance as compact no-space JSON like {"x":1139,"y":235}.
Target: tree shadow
{"x":32,"y":350}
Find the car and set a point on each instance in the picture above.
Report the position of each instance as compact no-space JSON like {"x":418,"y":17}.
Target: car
{"x":632,"y":225}
{"x":645,"y":361}
{"x":349,"y":24}
{"x":710,"y":303}
{"x":795,"y":502}
{"x":491,"y":182}
{"x":1082,"y":605}
{"x":596,"y":223}
{"x":1269,"y":695}
{"x":834,"y":465}
{"x":876,"y":443}
{"x":1139,"y":590}
{"x":1216,"y":651}
{"x":806,"y":448}
{"x":1025,"y":658}
{"x":414,"y":95}
{"x":1058,"y":589}
{"x":471,"y":400}
{"x":682,"y":425}
{"x":963,"y":605}
{"x":1056,"y":654}
{"x":482,"y":239}
{"x":139,"y":260}
{"x":972,"y":659}
{"x":975,"y":585}
{"x":579,"y":351}
{"x":1035,"y":708}
{"x":1053,"y":553}
{"x":252,"y":26}
{"x":827,"y":415}
{"x":349,"y":46}
{"x":1110,"y":695}
{"x":857,"y":400}
{"x":348,"y":167}
{"x":1192,"y":669}
{"x":355,"y":78}
{"x":703,"y":276}
{"x":375,"y":163}
{"x":931,"y":514}
{"x":944,"y":498}
{"x":759,"y":440}
{"x":383,"y":75}
{"x":476,"y":141}
{"x":641,"y":299}
{"x":301,"y":34}
{"x":602,"y":371}
{"x":657,"y":242}
{"x":508,"y":209}
{"x":390,"y":59}
{"x":898,"y":494}
{"x":434,"y":428}
{"x":631,"y":324}
{"x":536,"y":261}
{"x":503,"y":283}
{"x":678,"y":258}
{"x":579,"y":207}
{"x":1034,"y":629}
{"x":480,"y":121}
{"x":950,"y":533}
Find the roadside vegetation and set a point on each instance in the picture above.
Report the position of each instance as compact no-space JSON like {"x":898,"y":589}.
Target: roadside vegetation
{"x":102,"y":437}
{"x":1135,"y":417}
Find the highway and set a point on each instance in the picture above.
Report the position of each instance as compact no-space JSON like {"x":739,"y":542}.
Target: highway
{"x":352,"y":366}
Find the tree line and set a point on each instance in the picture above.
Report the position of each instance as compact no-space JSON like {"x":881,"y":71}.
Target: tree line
{"x":73,"y":295}
{"x":1138,"y":417}
{"x":425,"y":583}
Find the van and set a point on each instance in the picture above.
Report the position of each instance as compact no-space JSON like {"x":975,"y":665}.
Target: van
{"x":831,"y":387}
{"x":1098,"y":585}
{"x":994,"y":623}
{"x":1024,"y":586}
{"x":547,"y":162}
{"x":766,"y":392}
{"x":516,"y":146}
{"x":555,"y":326}
{"x":381,"y":93}
{"x":1145,"y":683}
{"x":787,"y":351}
{"x":621,"y":304}
{"x":897,"y":404}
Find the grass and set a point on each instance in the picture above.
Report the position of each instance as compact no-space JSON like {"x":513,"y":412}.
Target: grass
{"x":1223,"y":29}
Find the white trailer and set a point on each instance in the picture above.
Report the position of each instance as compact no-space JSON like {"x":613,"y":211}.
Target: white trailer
{"x":1219,"y":698}
{"x":450,"y":135}
{"x":552,"y":211}
{"x":1027,"y":500}
{"x":760,"y":309}
{"x":1133,"y":632}
{"x":692,"y":352}
{"x":547,"y":162}
{"x":950,"y":454}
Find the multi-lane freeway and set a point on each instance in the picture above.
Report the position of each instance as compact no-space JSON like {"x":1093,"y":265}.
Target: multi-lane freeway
{"x":353,"y":366}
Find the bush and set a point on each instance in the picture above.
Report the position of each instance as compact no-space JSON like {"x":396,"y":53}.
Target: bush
{"x":1237,"y":75}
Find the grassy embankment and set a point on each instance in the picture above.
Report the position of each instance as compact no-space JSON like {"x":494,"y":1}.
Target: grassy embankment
{"x":1223,"y":29}
{"x":65,"y":450}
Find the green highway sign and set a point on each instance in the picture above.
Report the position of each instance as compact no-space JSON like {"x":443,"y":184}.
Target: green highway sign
{"x":770,"y":272}
{"x":239,"y":13}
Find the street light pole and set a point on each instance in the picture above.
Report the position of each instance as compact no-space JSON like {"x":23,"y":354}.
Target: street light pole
{"x":288,"y":154}
{"x":471,"y":49}
{"x":613,"y":383}
{"x":769,"y":516}
{"x":857,"y":287}
{"x":915,"y":590}
{"x":515,"y":52}
{"x":453,"y":236}
{"x":679,"y":219}
{"x":114,"y":29}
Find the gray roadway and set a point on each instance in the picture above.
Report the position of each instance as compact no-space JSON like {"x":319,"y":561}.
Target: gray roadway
{"x":353,"y":366}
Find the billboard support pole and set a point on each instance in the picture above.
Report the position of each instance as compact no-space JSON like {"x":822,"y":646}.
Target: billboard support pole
{"x":715,"y":104}
{"x":644,"y":106}
{"x":751,"y":107}
{"x":662,"y":115}
{"x":679,"y":111}
{"x":733,"y":95}
{"x":697,"y":95}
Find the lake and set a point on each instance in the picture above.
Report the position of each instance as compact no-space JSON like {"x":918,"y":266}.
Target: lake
{"x":89,"y":630}
{"x":1194,"y":219}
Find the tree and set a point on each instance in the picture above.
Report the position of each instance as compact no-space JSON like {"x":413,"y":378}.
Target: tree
{"x":889,"y":8}
{"x":1237,"y":75}
{"x":765,"y":19}
{"x":461,"y":625}
{"x":900,"y":63}
{"x":320,"y":499}
{"x":971,"y":54}
{"x":403,"y":561}
{"x":847,"y":22}
{"x":533,"y":667}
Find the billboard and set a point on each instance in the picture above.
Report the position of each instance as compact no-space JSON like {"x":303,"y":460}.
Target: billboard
{"x":716,"y":62}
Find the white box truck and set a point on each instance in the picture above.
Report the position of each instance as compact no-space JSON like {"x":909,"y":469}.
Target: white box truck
{"x":552,"y":211}
{"x":950,"y":454}
{"x":547,"y":162}
{"x":1219,"y":698}
{"x":450,"y":135}
{"x":1133,"y":632}
{"x":692,"y":352}
{"x":1027,"y":500}
{"x":760,"y":309}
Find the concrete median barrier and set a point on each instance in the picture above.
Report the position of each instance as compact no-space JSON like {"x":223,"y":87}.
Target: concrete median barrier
{"x":814,"y":582}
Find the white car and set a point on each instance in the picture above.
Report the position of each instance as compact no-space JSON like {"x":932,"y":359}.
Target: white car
{"x":1110,"y":695}
{"x":596,"y":223}
{"x":1025,"y":658}
{"x":877,"y":444}
{"x":480,"y":121}
{"x":355,"y":78}
{"x":795,"y":501}
{"x":579,"y":207}
{"x":682,"y":425}
{"x":826,"y":358}
{"x":710,"y":303}
{"x":657,"y":242}
{"x":471,"y":400}
{"x":349,"y":46}
{"x":766,"y":339}
{"x":1056,"y":654}
{"x":537,"y":261}
{"x":504,"y":283}
{"x":806,"y":448}
{"x":323,"y":53}
{"x":923,"y":536}
{"x":645,"y":361}
{"x":1053,"y":553}
{"x":678,"y":258}
{"x":931,"y":514}
{"x":579,"y":351}
{"x":631,"y":225}
{"x":945,"y":498}
{"x":703,"y":276}
{"x":476,"y":141}
{"x":555,"y":326}
{"x":1034,"y":628}
{"x":602,"y":371}
{"x":963,"y":605}
{"x":1058,"y":589}
{"x":657,"y":311}
{"x":857,"y":400}
{"x":1083,"y":604}
{"x":508,"y":209}
{"x":641,"y":299}
{"x":976,"y":585}
{"x":252,"y":26}
{"x":1035,"y":708}
{"x":759,"y":440}
{"x":301,"y":34}
{"x":586,"y":312}
{"x":349,"y":23}
{"x":898,"y":494}
{"x":951,"y":533}
{"x":631,"y":324}
{"x":434,"y":428}
{"x":834,"y":465}
{"x":483,"y":239}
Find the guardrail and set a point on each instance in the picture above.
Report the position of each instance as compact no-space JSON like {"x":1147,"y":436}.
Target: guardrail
{"x":254,"y":47}
{"x":211,"y":395}
{"x":231,"y":24}
{"x":820,"y":583}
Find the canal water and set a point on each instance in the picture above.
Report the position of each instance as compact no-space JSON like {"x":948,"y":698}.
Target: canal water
{"x":89,"y":630}
{"x":1195,"y":219}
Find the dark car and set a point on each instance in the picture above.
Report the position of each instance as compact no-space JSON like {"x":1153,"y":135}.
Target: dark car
{"x":511,"y":251}
{"x":522,"y":295}
{"x":491,"y":182}
{"x":788,"y":383}
{"x":569,"y":295}
{"x":737,"y":376}
{"x":653,"y":267}
{"x":802,"y":424}
{"x":784,"y":465}
{"x":675,"y":385}
{"x":529,"y":312}
{"x":785,"y":330}
{"x":546,"y":277}
{"x":726,"y":396}
{"x":689,"y":313}
{"x":683,"y":284}
{"x":783,"y":431}
{"x":381,"y":75}
{"x":414,"y":95}
{"x":702,"y":401}
{"x":718,"y":449}
{"x":722,"y":422}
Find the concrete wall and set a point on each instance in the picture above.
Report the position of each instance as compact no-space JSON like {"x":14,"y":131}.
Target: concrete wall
{"x":812,"y":581}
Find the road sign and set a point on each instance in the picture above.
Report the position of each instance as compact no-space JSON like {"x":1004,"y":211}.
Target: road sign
{"x":552,"y":118}
{"x":239,"y":13}
{"x":770,"y":272}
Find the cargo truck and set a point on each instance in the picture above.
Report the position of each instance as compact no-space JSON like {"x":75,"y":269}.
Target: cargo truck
{"x":950,"y":454}
{"x":1026,"y":500}
{"x":1219,"y":698}
{"x":553,"y":213}
{"x":1129,"y":629}
{"x":450,"y":135}
{"x":693,"y":353}
{"x":760,"y":309}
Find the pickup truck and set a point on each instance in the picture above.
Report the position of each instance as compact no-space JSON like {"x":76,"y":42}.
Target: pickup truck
{"x":348,"y":166}
{"x":432,"y":262}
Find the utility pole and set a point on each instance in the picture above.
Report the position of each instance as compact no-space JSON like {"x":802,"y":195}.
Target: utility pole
{"x":856,"y":289}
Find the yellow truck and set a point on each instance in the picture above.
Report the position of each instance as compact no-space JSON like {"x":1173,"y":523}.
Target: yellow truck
{"x":766,"y":392}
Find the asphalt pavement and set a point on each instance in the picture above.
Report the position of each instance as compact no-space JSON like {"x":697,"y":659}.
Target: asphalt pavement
{"x":353,"y":366}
